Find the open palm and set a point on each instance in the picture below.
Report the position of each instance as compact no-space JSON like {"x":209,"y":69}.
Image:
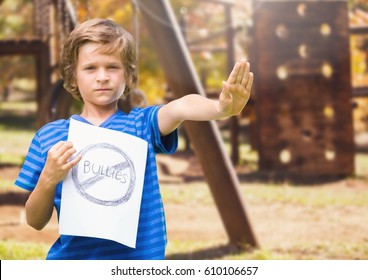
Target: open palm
{"x":236,"y":90}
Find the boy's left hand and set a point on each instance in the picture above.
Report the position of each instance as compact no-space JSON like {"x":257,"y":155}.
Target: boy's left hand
{"x":236,"y":90}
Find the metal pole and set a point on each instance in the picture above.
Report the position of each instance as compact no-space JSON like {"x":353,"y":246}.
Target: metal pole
{"x":205,"y":136}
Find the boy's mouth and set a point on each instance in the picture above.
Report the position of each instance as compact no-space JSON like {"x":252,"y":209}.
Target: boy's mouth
{"x":103,"y":89}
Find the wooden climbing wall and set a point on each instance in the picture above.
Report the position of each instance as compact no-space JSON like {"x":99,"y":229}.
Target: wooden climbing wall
{"x":303,"y":88}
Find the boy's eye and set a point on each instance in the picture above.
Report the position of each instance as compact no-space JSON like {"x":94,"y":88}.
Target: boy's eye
{"x":90,"y":68}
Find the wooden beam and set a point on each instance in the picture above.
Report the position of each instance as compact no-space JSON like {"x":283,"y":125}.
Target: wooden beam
{"x":359,"y":30}
{"x":221,"y":2}
{"x":20,"y":47}
{"x":360,"y":92}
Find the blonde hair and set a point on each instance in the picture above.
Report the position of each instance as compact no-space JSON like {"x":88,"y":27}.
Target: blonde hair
{"x":112,"y":37}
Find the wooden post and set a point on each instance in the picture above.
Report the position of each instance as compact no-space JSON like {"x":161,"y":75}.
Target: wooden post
{"x":43,"y":85}
{"x":234,"y":123}
{"x":205,"y":136}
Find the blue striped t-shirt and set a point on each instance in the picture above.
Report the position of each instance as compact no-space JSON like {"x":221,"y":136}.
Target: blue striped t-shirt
{"x":151,"y":236}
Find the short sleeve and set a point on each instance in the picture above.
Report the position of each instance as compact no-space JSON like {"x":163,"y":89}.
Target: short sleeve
{"x":32,"y":166}
{"x":162,"y":144}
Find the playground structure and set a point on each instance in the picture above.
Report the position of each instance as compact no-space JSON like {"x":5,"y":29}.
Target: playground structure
{"x":54,"y":19}
{"x":286,"y":133}
{"x":303,"y":88}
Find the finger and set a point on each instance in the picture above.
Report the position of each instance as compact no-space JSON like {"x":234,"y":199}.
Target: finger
{"x":73,"y":162}
{"x":225,"y":89}
{"x":67,"y":154}
{"x":242,"y":69}
{"x":250,"y":82}
{"x":62,"y":146}
{"x":57,"y":146}
{"x":245,"y":77}
{"x":234,"y":73}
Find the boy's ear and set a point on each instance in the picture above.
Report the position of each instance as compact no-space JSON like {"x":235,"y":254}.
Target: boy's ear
{"x":74,"y":83}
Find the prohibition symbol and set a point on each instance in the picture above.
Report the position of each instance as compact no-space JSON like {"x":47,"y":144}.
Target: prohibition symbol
{"x":105,"y":175}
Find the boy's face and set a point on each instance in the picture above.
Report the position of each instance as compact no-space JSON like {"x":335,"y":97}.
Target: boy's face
{"x":100,"y":77}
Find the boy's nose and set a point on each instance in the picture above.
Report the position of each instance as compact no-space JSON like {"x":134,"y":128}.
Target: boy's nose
{"x":102,"y":75}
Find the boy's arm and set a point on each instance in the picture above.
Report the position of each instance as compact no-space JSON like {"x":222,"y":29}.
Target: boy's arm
{"x":40,"y":203}
{"x":232,"y":99}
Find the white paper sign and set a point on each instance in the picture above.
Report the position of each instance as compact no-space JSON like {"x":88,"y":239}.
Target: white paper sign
{"x":101,"y":195}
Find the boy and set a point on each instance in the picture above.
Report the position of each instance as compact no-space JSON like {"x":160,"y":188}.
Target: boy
{"x":98,"y":64}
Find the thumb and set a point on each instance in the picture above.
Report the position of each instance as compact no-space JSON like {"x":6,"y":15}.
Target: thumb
{"x":225,"y":88}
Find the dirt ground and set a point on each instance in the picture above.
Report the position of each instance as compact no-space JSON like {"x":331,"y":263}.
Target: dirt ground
{"x":277,"y":226}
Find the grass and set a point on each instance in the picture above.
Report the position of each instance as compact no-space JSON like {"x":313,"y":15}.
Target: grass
{"x":17,"y":130}
{"x":315,"y":196}
{"x":11,"y":159}
{"x":305,"y":196}
{"x":10,"y":250}
{"x":12,"y":106}
{"x":6,"y":185}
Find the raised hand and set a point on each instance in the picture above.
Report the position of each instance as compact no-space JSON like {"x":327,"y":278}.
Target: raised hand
{"x":236,"y":90}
